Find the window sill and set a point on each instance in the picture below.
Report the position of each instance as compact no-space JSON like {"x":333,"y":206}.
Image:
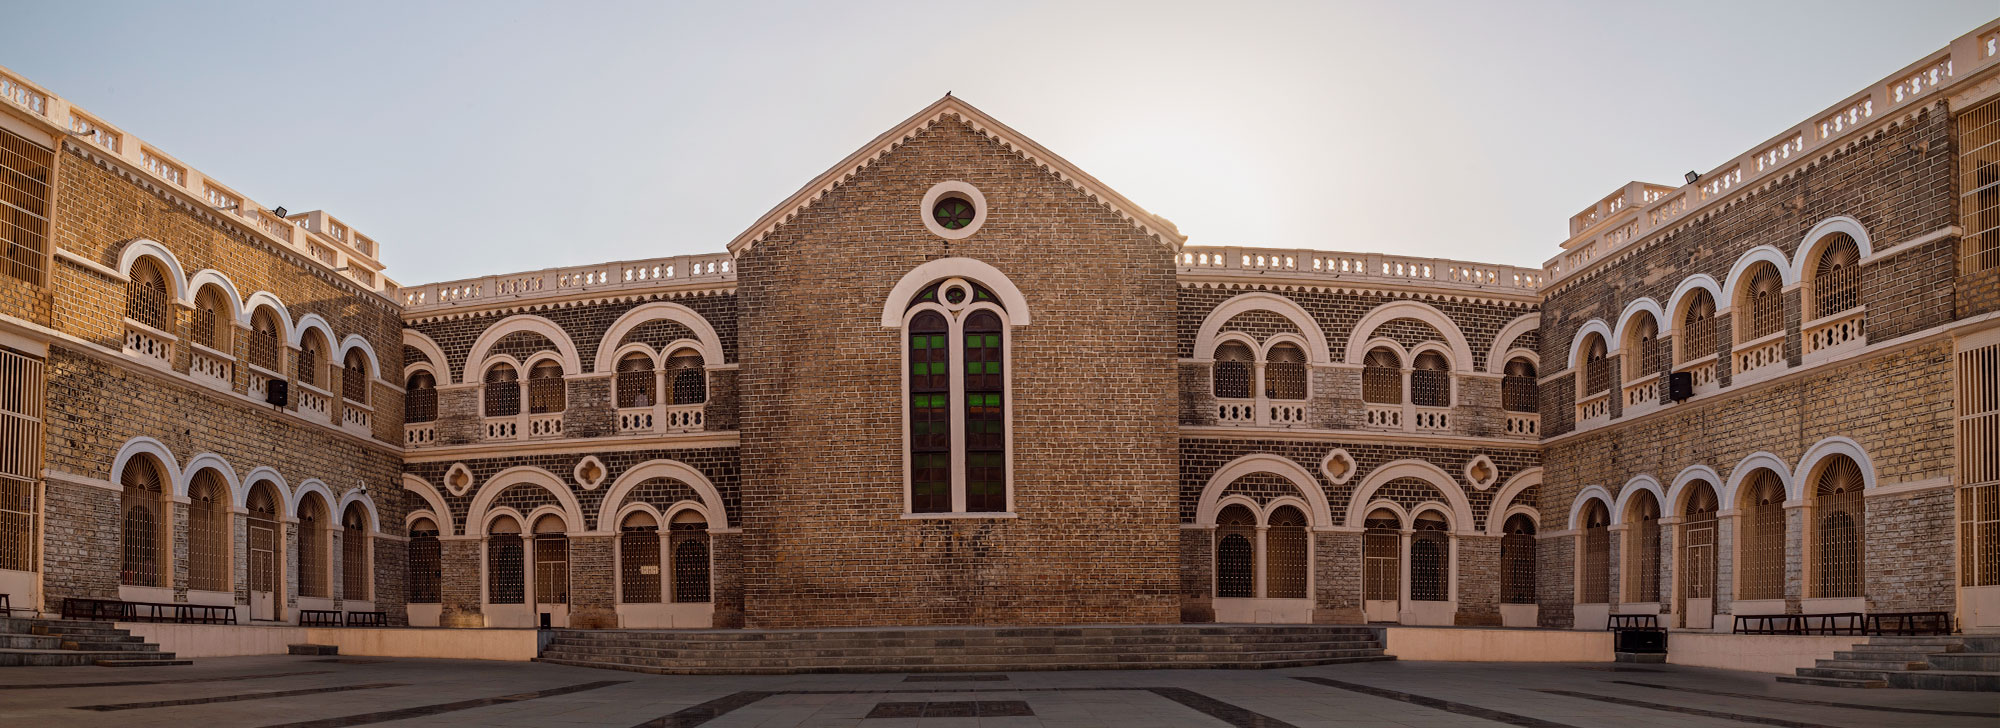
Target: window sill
{"x":1002,"y":515}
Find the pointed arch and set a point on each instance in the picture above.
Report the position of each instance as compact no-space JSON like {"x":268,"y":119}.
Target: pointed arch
{"x":1411,"y":468}
{"x":1751,"y":463}
{"x":572,"y":365}
{"x":1206,"y":339}
{"x":264,"y":474}
{"x":1822,"y":450}
{"x":1501,"y":350}
{"x":169,"y":467}
{"x":1633,"y":309}
{"x":972,"y":269}
{"x":431,"y":496}
{"x":704,"y":332}
{"x":1211,"y":495}
{"x":1677,"y":303}
{"x":1646,"y":483}
{"x":522,"y":475}
{"x":440,"y":366}
{"x":1583,"y":498}
{"x":1593,"y":326}
{"x":1816,"y":239}
{"x":142,"y":248}
{"x":1364,"y":329}
{"x":1739,"y":274}
{"x":360,"y":495}
{"x":711,"y":499}
{"x":209,"y":461}
{"x":1503,"y":501}
{"x":212,"y":277}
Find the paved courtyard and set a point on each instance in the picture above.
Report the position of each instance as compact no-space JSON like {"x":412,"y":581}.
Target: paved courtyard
{"x":314,"y":691}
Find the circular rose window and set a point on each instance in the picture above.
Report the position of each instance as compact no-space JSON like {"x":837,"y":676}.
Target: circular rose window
{"x":952,"y":213}
{"x":953,"y":210}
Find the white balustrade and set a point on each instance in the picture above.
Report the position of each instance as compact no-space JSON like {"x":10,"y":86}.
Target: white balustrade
{"x":1847,"y":327}
{"x":503,"y":428}
{"x":1235,"y":411}
{"x":1642,"y":393}
{"x":419,"y":434}
{"x":636,"y":419}
{"x":1362,"y":266}
{"x":548,"y":424}
{"x":684,"y":417}
{"x":604,"y":277}
{"x":354,"y":417}
{"x":146,"y":342}
{"x":1524,"y":424}
{"x":1702,"y":374}
{"x":1766,"y":352}
{"x":1595,"y":408}
{"x":1925,"y":79}
{"x":211,"y":367}
{"x":314,"y":403}
{"x":260,"y":384}
{"x":1288,"y":414}
{"x":1384,"y":416}
{"x":1433,"y":419}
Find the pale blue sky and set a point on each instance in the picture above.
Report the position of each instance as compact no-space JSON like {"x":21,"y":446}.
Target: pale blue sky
{"x":485,"y":137}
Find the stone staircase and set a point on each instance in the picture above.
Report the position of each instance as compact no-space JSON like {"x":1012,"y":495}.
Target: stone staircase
{"x":964,"y":649}
{"x":65,"y":642}
{"x":1923,"y":663}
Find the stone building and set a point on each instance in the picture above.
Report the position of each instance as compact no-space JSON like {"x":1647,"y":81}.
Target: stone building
{"x":956,"y":380}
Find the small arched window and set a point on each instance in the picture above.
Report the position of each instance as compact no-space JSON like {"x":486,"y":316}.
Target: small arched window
{"x":1285,"y":372}
{"x":147,"y":295}
{"x":1382,"y":557}
{"x":503,"y":391}
{"x":265,"y":342}
{"x":266,"y":549}
{"x":1836,"y":283}
{"x":1763,"y":303}
{"x":505,"y":582}
{"x":1840,"y":519}
{"x":208,"y":532}
{"x":312,"y":547}
{"x":1286,"y":559}
{"x":143,"y":530}
{"x":425,"y":564}
{"x":1596,"y":365}
{"x":312,"y":356}
{"x":1698,"y":541}
{"x":1430,"y":558}
{"x":687,"y":375}
{"x":212,"y":320}
{"x":355,"y":566}
{"x":1235,"y":369}
{"x":1698,"y":326}
{"x":1235,"y":553}
{"x":354,"y":377}
{"x":1519,"y":389}
{"x":639,"y":556}
{"x":1517,"y":560}
{"x":1644,"y":354}
{"x":546,"y":391}
{"x":1642,"y":561}
{"x":1382,"y":377}
{"x":551,"y":561}
{"x":1596,"y":549}
{"x":420,"y":399}
{"x":1762,"y":546}
{"x":637,"y":385}
{"x":689,"y":536}
{"x":1430,"y":380}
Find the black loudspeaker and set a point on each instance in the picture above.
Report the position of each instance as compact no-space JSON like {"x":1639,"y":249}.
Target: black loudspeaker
{"x":1680,"y":386}
{"x":545,"y":620}
{"x":277,"y":393}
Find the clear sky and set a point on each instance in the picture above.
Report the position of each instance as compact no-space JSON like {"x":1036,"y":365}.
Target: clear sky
{"x":484,"y":137}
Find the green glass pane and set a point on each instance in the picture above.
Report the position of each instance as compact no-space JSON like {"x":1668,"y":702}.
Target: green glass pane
{"x":937,"y":341}
{"x":992,"y":341}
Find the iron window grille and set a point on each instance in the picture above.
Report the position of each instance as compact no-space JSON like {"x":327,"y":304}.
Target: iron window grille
{"x":1285,"y":373}
{"x":1836,"y":284}
{"x":637,"y":384}
{"x":505,"y":579}
{"x":310,"y":356}
{"x":1978,"y":449}
{"x":639,"y":564}
{"x":1519,"y":391}
{"x":22,"y":383}
{"x":1763,"y":542}
{"x":1382,"y":377}
{"x":1234,"y":371}
{"x":930,"y":414}
{"x":202,"y":327}
{"x":263,"y":341}
{"x":1596,"y":366}
{"x":426,"y":562}
{"x":1643,"y":584}
{"x":689,"y":377}
{"x":420,"y":399}
{"x":1430,"y":381}
{"x":25,"y":175}
{"x":1430,"y":560}
{"x":1382,"y":559}
{"x":1841,"y":520}
{"x":354,"y":378}
{"x":1517,"y":561}
{"x":551,"y":568}
{"x":1235,"y":553}
{"x":1979,"y":187}
{"x":689,"y":538}
{"x":264,"y":530}
{"x":1698,"y":542}
{"x":354,"y":566}
{"x":313,"y":553}
{"x":146,"y":296}
{"x":503,"y":392}
{"x":1286,"y":556}
{"x":143,"y":529}
{"x":1596,"y":587}
{"x":1765,"y":303}
{"x":1698,"y":327}
{"x":208,"y":533}
{"x":546,"y":392}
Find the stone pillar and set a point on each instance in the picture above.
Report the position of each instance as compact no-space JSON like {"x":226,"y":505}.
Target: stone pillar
{"x":589,"y":411}
{"x":460,"y":589}
{"x":1197,"y":573}
{"x":239,"y":563}
{"x":592,"y":583}
{"x":178,"y":537}
{"x":1615,"y":566}
{"x":1478,"y":580}
{"x":1337,"y":577}
{"x":1555,"y":577}
{"x":1725,"y":561}
{"x":720,"y":414}
{"x":336,"y":578}
{"x":458,"y":420}
{"x":726,"y":578}
{"x":1797,"y":518}
{"x":390,"y":557}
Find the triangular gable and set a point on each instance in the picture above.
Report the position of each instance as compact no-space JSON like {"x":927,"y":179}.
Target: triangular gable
{"x":953,"y":109}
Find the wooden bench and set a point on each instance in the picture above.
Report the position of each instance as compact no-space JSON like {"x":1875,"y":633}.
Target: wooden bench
{"x":113,"y":610}
{"x":1909,"y":623}
{"x":367,"y":619}
{"x":319,"y":618}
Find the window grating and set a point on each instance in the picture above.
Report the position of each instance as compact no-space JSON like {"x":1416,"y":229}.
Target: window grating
{"x":146,"y":296}
{"x":309,"y":360}
{"x":1840,"y":519}
{"x":1698,"y":327}
{"x":1286,"y":559}
{"x":208,"y":533}
{"x":24,"y":205}
{"x":1430,"y":381}
{"x":504,"y":577}
{"x":263,"y":342}
{"x":1836,"y":284}
{"x":1596,"y":366}
{"x":1765,"y":303}
{"x":420,"y":399}
{"x":1519,"y":391}
{"x":639,"y":565}
{"x":551,"y":569}
{"x":1517,"y":561}
{"x":503,"y":392}
{"x":930,"y":414}
{"x":985,"y":416}
{"x":313,"y":553}
{"x":1382,"y":377}
{"x":21,"y":399}
{"x":354,"y":378}
{"x":1643,"y":584}
{"x":1979,"y":460}
{"x":1235,"y":567}
{"x":637,"y":384}
{"x":691,"y":567}
{"x":1763,"y":542}
{"x":426,"y":562}
{"x":263,"y":526}
{"x":1381,"y":557}
{"x":545,"y":388}
{"x":1233,"y":371}
{"x":1596,"y":586}
{"x":1697,"y":542}
{"x":354,"y":566}
{"x":1285,"y":373}
{"x":689,"y":378}
{"x":1979,"y":187}
{"x":1640,"y":346}
{"x":143,"y":496}
{"x":202,"y":327}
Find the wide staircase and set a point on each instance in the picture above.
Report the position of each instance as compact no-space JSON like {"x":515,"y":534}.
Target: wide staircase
{"x":1924,"y":663}
{"x":964,"y":649}
{"x":64,"y":642}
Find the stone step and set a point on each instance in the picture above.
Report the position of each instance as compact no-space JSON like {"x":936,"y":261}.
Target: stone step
{"x":1844,"y":673}
{"x":1902,"y":649}
{"x":29,"y":642}
{"x":1885,"y":665}
{"x":1982,"y":643}
{"x":871,"y":643}
{"x":954,"y":661}
{"x":954,"y":667}
{"x":312,"y":649}
{"x":1966,"y":661}
{"x":711,"y":653}
{"x":1832,"y":682}
{"x":971,"y":633}
{"x":142,"y":663}
{"x":1984,"y":682}
{"x":69,"y":658}
{"x":1652,"y":658}
{"x":94,"y":646}
{"x":53,"y":630}
{"x":1934,"y":641}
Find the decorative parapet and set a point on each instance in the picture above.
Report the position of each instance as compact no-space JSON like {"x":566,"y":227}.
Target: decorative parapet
{"x":339,"y":248}
{"x":1336,"y":268}
{"x":602,"y":278}
{"x":1639,"y":210}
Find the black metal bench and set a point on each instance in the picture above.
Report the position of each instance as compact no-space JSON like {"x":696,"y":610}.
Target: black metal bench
{"x":367,"y":619}
{"x":1637,"y":633}
{"x":113,"y":610}
{"x":319,"y":618}
{"x":1833,"y":623}
{"x":1909,"y":623}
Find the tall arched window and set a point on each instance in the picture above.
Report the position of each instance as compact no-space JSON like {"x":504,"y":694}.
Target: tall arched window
{"x":504,"y":562}
{"x":1519,"y":391}
{"x":639,"y":557}
{"x":1762,"y":546}
{"x":1382,"y":377}
{"x":1840,"y":520}
{"x":545,"y":387}
{"x":420,"y":398}
{"x":637,"y":385}
{"x":957,"y":389}
{"x":426,"y":562}
{"x":1644,"y":354}
{"x":1285,"y":372}
{"x":212,"y":322}
{"x":1596,"y":365}
{"x":551,"y":561}
{"x":266,"y":550}
{"x":1836,"y":281}
{"x":1430,"y":380}
{"x":355,"y":566}
{"x":1698,"y":326}
{"x":208,"y":532}
{"x":1698,"y":542}
{"x":1430,"y":558}
{"x":1382,"y":557}
{"x":1285,"y":558}
{"x":266,"y":340}
{"x":312,"y":356}
{"x":1763,"y":304}
{"x":502,"y":391}
{"x":354,"y":377}
{"x":687,"y":375}
{"x":1235,"y":369}
{"x":689,"y":539}
{"x":1596,"y":550}
{"x":147,"y":295}
{"x":1235,"y":553}
{"x":1642,"y":543}
{"x":142,"y":507}
{"x":1517,"y":560}
{"x":313,"y":552}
